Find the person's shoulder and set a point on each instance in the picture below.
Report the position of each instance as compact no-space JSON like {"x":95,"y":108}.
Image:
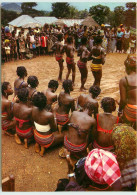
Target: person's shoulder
{"x":122,"y":81}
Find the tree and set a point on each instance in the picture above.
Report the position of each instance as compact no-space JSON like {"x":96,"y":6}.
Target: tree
{"x":60,"y":10}
{"x":7,"y":16}
{"x":73,"y":12}
{"x":130,"y":14}
{"x":83,"y":13}
{"x":119,"y":15}
{"x":26,"y":7}
{"x":99,"y":13}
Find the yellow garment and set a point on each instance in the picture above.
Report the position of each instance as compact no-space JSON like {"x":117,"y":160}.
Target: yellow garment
{"x":95,"y":67}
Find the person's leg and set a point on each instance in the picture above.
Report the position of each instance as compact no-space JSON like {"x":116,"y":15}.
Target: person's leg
{"x":73,"y":72}
{"x":58,"y":139}
{"x":97,"y":76}
{"x":84,"y":73}
{"x":61,"y":67}
{"x":69,"y":71}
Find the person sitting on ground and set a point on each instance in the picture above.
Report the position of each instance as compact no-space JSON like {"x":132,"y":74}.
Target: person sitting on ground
{"x":58,"y":47}
{"x":81,"y":128}
{"x":65,"y":104}
{"x":105,"y":124}
{"x":32,"y":84}
{"x":69,"y":49}
{"x":97,"y":55}
{"x":82,"y":63}
{"x":94,"y":91}
{"x":99,"y":171}
{"x":50,"y":93}
{"x":8,"y":123}
{"x":19,"y":82}
{"x":128,"y":91}
{"x":124,"y":139}
{"x":45,"y":133}
{"x":22,"y":114}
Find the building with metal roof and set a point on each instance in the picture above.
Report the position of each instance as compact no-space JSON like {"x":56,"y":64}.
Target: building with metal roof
{"x":45,"y":19}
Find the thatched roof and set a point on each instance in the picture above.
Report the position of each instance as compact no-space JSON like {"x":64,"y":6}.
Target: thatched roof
{"x":89,"y":21}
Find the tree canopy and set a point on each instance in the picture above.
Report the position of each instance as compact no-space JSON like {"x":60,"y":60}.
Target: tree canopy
{"x":60,"y":10}
{"x":99,"y":13}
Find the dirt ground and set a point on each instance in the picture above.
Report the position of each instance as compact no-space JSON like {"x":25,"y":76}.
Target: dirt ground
{"x":33,"y":172}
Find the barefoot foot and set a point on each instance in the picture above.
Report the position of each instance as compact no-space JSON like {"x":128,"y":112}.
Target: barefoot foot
{"x":37,"y":149}
{"x":26,"y":143}
{"x":42,"y":151}
{"x":17,"y":139}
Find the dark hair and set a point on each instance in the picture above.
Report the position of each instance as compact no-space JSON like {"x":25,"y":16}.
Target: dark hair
{"x":67,"y":84}
{"x":95,"y":90}
{"x":39,"y":100}
{"x":108,"y":104}
{"x":23,"y":94}
{"x":62,"y":183}
{"x":69,"y":39}
{"x":4,"y":87}
{"x":83,"y":40}
{"x":21,"y":71}
{"x":97,"y":40}
{"x":33,"y":81}
{"x":53,"y":84}
{"x":89,"y":106}
{"x":59,"y":36}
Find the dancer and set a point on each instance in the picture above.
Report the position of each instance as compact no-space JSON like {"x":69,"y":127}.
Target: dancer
{"x":58,"y":47}
{"x":32,"y":84}
{"x":69,"y":49}
{"x":97,"y":55}
{"x":82,"y":63}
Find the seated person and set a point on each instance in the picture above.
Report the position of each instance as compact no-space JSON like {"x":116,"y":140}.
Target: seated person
{"x":19,"y":82}
{"x":128,"y":92}
{"x":8,"y":123}
{"x":32,"y":84}
{"x":81,"y":127}
{"x":99,"y":171}
{"x":50,"y":93}
{"x":105,"y":124}
{"x":94,"y":91}
{"x":22,"y":114}
{"x":65,"y":104}
{"x":45,"y":133}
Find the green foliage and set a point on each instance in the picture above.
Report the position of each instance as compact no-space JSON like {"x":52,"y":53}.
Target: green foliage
{"x":99,"y":13}
{"x":119,"y":15}
{"x":130,"y":14}
{"x":7,"y":16}
{"x":26,"y":7}
{"x":60,"y":10}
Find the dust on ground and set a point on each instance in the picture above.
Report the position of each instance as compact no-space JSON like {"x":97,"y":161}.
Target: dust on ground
{"x":33,"y":172}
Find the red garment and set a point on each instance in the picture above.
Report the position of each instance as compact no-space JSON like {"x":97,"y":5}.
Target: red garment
{"x":81,"y":64}
{"x":69,"y":60}
{"x":21,"y":121}
{"x":27,"y":133}
{"x":58,"y":57}
{"x":62,"y":119}
{"x":102,"y":167}
{"x":105,"y":130}
{"x":44,"y":41}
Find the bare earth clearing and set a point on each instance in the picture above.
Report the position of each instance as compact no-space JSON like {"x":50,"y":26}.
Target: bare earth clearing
{"x":31,"y":171}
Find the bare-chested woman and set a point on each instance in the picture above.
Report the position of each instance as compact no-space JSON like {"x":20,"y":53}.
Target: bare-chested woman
{"x":8,"y":124}
{"x":81,"y":127}
{"x":82,"y":63}
{"x":128,"y":92}
{"x":45,"y":133}
{"x":59,"y":55}
{"x":69,"y":49}
{"x":94,"y":91}
{"x":65,"y":104}
{"x":97,"y":55}
{"x":32,"y":84}
{"x":19,"y":82}
{"x":50,"y":93}
{"x":105,"y":124}
{"x":22,"y":114}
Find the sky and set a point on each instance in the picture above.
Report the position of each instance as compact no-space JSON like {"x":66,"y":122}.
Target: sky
{"x":46,"y":6}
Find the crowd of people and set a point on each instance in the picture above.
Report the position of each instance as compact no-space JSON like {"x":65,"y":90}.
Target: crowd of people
{"x":102,"y":144}
{"x":19,"y":45}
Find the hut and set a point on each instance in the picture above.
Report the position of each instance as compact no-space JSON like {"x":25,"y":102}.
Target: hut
{"x":89,"y":21}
